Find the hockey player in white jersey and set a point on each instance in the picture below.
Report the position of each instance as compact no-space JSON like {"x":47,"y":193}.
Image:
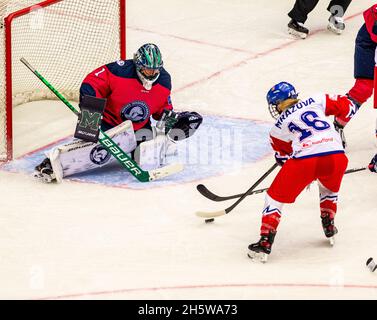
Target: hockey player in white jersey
{"x":308,"y":148}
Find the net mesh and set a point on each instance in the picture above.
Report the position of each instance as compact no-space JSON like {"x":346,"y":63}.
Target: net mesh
{"x":63,"y":41}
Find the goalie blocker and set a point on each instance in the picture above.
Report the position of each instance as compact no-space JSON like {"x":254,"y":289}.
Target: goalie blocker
{"x":90,"y":118}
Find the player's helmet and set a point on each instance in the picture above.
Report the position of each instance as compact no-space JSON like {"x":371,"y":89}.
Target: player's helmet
{"x":148,"y":62}
{"x":277,"y":94}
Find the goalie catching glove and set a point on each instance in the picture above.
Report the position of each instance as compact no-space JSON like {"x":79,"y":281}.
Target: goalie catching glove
{"x":180,"y":126}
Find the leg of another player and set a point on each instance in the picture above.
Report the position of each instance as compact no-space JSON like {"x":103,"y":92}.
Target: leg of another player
{"x":298,"y":15}
{"x":364,"y":64}
{"x":337,"y":8}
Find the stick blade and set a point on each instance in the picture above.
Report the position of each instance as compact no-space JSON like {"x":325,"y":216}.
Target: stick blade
{"x":206,"y":193}
{"x":166,"y":171}
{"x":207,"y":215}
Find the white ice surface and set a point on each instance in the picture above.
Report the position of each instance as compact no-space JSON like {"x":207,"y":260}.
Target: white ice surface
{"x":85,"y":241}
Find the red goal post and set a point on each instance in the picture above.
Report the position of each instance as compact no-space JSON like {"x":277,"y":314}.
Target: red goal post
{"x":64,"y":39}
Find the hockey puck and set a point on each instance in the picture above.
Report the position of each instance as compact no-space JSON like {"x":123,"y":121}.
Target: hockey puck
{"x":209,"y":220}
{"x":371,"y":265}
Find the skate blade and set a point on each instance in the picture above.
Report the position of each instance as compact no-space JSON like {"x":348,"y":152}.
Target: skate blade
{"x":297,"y":34}
{"x":332,"y":241}
{"x":258,"y":256}
{"x":371,"y":265}
{"x":334,"y":30}
{"x":45,"y":178}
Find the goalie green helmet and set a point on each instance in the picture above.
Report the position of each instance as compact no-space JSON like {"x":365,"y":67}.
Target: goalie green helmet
{"x":148,"y":62}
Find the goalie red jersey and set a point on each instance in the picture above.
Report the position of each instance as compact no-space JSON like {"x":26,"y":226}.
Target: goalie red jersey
{"x":127,"y":98}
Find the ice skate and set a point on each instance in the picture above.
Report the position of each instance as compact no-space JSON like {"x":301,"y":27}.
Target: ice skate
{"x":329,"y":228}
{"x":44,"y":172}
{"x":336,"y":25}
{"x":259,"y":251}
{"x":297,"y":29}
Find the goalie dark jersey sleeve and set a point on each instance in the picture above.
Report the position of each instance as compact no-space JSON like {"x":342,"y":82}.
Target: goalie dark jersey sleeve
{"x":127,"y":99}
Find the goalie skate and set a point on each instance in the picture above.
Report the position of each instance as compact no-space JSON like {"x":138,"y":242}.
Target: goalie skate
{"x":44,"y":172}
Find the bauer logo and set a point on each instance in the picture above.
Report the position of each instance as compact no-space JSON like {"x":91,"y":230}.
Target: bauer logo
{"x":136,"y":111}
{"x":100,"y":155}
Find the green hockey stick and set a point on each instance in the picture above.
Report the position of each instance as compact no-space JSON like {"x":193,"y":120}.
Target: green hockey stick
{"x":130,"y":165}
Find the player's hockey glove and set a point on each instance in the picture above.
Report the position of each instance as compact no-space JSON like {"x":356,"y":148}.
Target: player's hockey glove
{"x":373,"y":164}
{"x":280,"y":160}
{"x":185,"y":127}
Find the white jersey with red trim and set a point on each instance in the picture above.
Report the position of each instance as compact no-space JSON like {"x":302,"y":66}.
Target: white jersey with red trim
{"x":304,"y":130}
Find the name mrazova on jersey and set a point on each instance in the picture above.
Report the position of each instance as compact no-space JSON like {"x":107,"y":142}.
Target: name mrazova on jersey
{"x":292,"y":110}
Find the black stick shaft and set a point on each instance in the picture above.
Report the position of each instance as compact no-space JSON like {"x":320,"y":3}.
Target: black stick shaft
{"x":227,"y":210}
{"x":210,"y":195}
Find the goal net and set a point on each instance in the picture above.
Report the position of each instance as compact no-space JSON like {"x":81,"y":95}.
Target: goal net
{"x":63,"y":39}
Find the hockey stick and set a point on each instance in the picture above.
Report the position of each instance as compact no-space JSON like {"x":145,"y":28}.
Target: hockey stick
{"x":203,"y":190}
{"x":211,"y":196}
{"x":227,"y":210}
{"x":130,"y":165}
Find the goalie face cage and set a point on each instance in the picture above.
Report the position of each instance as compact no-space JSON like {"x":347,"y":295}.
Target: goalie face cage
{"x":64,"y":40}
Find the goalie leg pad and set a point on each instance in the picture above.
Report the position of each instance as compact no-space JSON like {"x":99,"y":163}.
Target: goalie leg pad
{"x":80,"y":156}
{"x":153,"y":153}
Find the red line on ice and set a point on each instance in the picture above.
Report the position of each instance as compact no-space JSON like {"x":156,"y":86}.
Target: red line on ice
{"x":256,"y":56}
{"x":214,"y":286}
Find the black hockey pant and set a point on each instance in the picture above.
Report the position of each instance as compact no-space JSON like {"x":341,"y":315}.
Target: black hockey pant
{"x":302,"y":8}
